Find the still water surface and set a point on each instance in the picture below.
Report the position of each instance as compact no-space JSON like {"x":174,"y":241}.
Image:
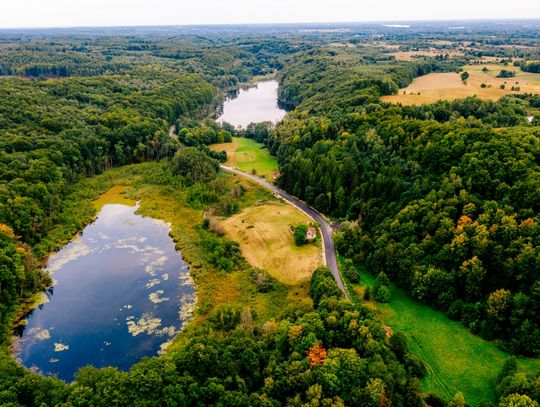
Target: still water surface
{"x":253,"y":105}
{"x":121,"y":292}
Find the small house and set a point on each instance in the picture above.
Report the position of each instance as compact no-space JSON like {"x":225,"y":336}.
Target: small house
{"x":311,"y":233}
{"x":530,"y":119}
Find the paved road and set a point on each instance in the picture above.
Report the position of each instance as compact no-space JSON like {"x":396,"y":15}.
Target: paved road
{"x":324,"y":226}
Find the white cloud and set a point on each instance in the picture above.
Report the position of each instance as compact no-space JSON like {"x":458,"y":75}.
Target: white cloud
{"x":40,"y":13}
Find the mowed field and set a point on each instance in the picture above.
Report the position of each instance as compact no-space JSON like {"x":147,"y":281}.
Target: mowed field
{"x":456,"y":360}
{"x":413,"y":55}
{"x":448,"y":86}
{"x":266,"y":242}
{"x":247,"y":155}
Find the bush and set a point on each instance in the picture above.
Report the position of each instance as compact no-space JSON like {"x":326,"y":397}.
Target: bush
{"x":222,"y":253}
{"x":352,"y":275}
{"x":382,"y":294}
{"x":262,"y":280}
{"x":350,"y":272}
{"x":415,"y":366}
{"x":225,"y":317}
{"x":206,"y":223}
{"x":506,"y":74}
{"x":435,"y":400}
{"x":398,"y":343}
{"x":300,"y":235}
{"x":455,"y":311}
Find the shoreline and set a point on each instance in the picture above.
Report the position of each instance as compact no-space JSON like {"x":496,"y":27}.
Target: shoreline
{"x":114,"y":195}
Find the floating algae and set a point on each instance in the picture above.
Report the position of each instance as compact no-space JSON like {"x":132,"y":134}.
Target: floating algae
{"x":121,"y":292}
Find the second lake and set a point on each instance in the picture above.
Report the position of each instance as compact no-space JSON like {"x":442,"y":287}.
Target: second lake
{"x":253,"y":105}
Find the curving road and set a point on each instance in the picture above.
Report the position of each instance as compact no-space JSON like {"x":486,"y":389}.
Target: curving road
{"x":324,"y":226}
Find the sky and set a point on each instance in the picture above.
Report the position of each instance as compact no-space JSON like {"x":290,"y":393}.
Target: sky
{"x":80,"y":13}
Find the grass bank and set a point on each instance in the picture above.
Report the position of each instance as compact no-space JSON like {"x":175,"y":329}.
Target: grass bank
{"x":247,"y":155}
{"x":456,"y":360}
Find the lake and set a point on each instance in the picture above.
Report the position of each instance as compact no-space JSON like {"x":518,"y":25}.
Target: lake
{"x":253,"y":105}
{"x":121,"y":292}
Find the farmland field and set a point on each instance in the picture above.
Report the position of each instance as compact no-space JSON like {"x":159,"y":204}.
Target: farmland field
{"x":266,"y":242}
{"x":448,"y":86}
{"x":412,"y":55}
{"x":247,"y":155}
{"x":456,"y":359}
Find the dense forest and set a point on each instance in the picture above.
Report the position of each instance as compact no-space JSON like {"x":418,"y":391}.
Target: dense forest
{"x":441,"y":198}
{"x":335,"y":355}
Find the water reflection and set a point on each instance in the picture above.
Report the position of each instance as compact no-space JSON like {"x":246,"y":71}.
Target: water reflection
{"x":121,"y":292}
{"x":253,"y":105}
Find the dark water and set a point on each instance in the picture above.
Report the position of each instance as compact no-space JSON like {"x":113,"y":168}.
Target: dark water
{"x":253,"y":105}
{"x":121,"y":292}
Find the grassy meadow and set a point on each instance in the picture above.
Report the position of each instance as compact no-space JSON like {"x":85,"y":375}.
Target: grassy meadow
{"x":456,"y":360}
{"x":115,"y":195}
{"x":266,"y":242}
{"x":432,"y":53}
{"x":449,"y":86}
{"x":160,"y":200}
{"x":247,"y":155}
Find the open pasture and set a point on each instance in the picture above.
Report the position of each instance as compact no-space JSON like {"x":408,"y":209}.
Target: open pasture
{"x":266,"y":242}
{"x":449,"y":86}
{"x":247,"y":155}
{"x":456,"y":360}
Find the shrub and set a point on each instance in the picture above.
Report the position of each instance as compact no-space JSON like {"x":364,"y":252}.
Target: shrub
{"x":506,"y":74}
{"x":455,"y":311}
{"x":398,"y":343}
{"x":382,"y":294}
{"x":262,"y":280}
{"x":350,"y":272}
{"x":415,"y":366}
{"x":225,"y":317}
{"x":300,"y":235}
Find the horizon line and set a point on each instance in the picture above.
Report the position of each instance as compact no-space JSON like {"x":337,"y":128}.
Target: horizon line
{"x":439,"y":20}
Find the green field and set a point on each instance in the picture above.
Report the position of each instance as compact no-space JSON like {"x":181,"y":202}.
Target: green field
{"x":456,"y":360}
{"x":247,"y":155}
